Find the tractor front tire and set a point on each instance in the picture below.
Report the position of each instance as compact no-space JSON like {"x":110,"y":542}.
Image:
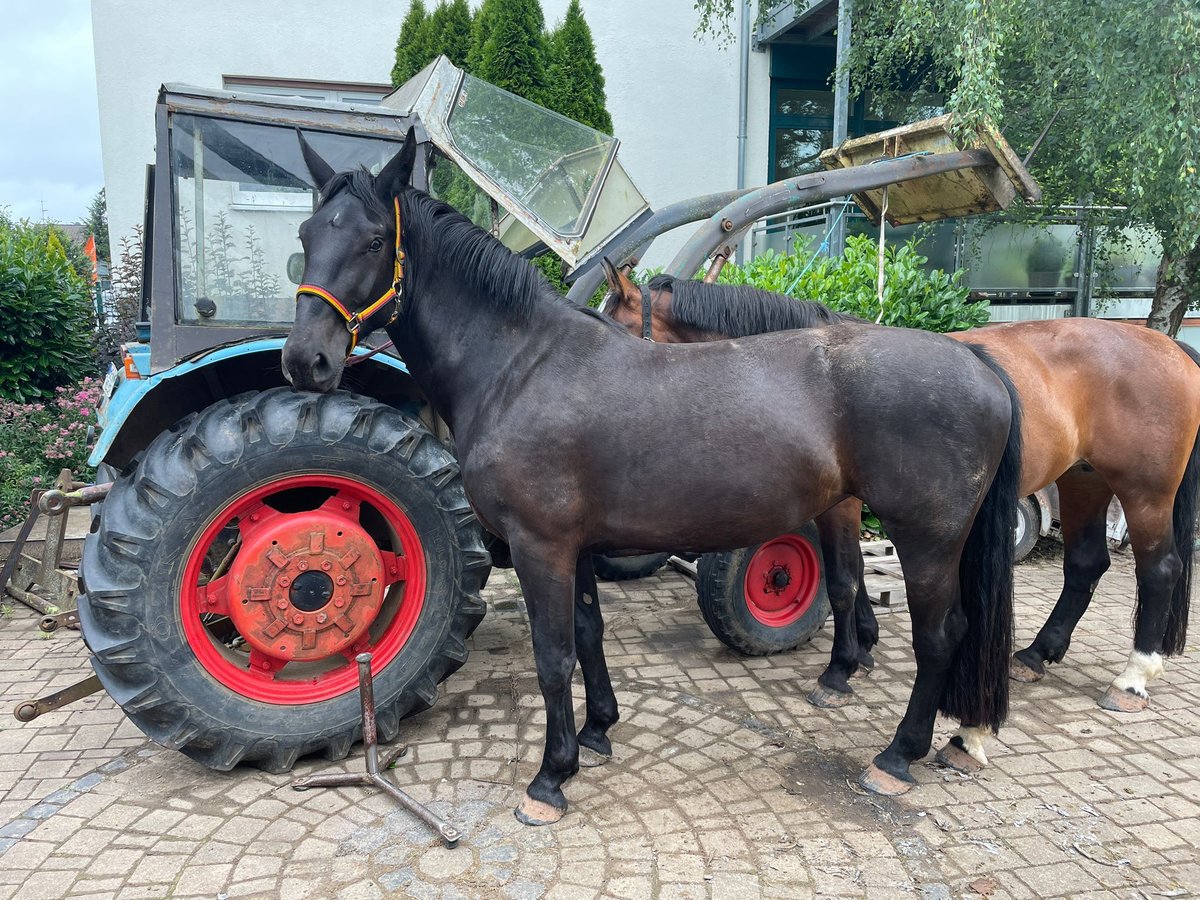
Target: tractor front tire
{"x":768,"y":598}
{"x":254,"y":550}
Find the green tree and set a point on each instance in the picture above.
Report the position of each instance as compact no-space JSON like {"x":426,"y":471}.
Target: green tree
{"x":1119,"y":88}
{"x":514,"y":54}
{"x":413,"y":44}
{"x":575,"y":82}
{"x":47,"y":324}
{"x":481,"y":30}
{"x":97,"y":223}
{"x":450,"y":32}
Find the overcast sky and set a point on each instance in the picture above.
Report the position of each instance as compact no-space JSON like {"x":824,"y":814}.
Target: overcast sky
{"x":49,"y":128}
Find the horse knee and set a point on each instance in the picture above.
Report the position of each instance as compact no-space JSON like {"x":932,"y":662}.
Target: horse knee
{"x":1086,"y":564}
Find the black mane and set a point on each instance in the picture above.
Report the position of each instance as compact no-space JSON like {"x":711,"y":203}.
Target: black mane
{"x":443,"y":236}
{"x":741,"y":310}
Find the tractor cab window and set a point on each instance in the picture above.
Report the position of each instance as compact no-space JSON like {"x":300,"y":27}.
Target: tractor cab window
{"x":241,"y":190}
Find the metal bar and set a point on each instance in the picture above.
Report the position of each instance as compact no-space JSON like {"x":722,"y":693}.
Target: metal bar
{"x":841,"y":110}
{"x":14,"y":555}
{"x":377,"y":765}
{"x":28,"y":710}
{"x":813,"y":188}
{"x":666,"y":219}
{"x":56,"y":501}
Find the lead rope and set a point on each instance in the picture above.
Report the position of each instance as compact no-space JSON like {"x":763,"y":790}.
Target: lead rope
{"x":880,"y":254}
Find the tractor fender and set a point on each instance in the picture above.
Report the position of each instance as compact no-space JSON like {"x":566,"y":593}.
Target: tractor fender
{"x":139,"y":409}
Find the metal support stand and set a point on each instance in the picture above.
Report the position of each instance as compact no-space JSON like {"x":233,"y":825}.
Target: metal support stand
{"x":377,"y":765}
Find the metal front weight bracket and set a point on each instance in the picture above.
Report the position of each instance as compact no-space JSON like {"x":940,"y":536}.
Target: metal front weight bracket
{"x":377,"y":765}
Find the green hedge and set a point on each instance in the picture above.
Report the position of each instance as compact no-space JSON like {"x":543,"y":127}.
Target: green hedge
{"x":913,"y":297}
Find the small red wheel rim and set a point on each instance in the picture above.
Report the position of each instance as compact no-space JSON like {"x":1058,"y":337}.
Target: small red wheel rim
{"x":291,"y":580}
{"x":782,"y":580}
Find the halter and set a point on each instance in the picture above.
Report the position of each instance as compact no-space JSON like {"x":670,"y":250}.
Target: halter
{"x":647,"y":306}
{"x":355,"y":320}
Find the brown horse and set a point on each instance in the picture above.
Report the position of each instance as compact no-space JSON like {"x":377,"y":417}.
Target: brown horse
{"x":1109,"y":408}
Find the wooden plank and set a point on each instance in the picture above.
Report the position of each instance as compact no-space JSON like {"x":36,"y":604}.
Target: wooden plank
{"x":882,"y":575}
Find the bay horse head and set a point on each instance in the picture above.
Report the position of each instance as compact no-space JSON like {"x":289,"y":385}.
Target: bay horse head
{"x":353,"y":280}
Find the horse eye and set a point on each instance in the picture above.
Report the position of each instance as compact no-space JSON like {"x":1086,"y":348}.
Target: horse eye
{"x":376,"y":245}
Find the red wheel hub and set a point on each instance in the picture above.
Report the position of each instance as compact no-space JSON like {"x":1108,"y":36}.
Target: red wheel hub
{"x":782,"y":580}
{"x":307,"y":585}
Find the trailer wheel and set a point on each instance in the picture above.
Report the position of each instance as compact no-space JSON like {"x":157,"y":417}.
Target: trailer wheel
{"x":1029,"y":528}
{"x":626,"y":568}
{"x":768,"y":598}
{"x":253,"y":550}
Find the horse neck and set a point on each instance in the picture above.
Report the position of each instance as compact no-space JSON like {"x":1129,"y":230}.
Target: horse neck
{"x":458,"y":345}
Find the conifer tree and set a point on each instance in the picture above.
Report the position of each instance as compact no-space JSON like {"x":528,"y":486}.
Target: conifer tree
{"x":449,"y":33}
{"x":412,"y":46}
{"x":575,"y":82}
{"x":481,"y":30}
{"x":513,"y":56}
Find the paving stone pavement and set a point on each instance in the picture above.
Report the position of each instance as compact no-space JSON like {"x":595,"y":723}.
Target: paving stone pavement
{"x":726,"y":783}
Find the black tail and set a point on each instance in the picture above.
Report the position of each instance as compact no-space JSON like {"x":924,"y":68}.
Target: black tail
{"x":1184,"y":522}
{"x":976,"y":692}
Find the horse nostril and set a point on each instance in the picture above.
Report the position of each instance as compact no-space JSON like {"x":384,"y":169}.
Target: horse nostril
{"x":321,"y":367}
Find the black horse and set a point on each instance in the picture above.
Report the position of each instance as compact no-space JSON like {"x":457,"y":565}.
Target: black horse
{"x":574,"y":437}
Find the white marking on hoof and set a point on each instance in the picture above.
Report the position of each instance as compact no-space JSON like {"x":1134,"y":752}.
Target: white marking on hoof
{"x":971,"y":737}
{"x":1141,"y":669}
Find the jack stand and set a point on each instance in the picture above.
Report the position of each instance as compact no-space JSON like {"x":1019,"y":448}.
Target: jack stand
{"x":376,"y":765}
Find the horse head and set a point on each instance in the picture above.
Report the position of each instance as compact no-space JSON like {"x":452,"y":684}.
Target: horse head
{"x":353,"y":266}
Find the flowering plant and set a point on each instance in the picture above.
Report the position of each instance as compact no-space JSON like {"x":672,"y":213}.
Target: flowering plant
{"x":39,"y":439}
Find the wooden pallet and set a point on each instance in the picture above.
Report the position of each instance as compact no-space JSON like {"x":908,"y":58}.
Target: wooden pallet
{"x":882,"y":575}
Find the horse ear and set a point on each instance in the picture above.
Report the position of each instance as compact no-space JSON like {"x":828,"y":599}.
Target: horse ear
{"x":611,"y":275}
{"x":320,"y":170}
{"x":395,"y":176}
{"x":621,"y":284}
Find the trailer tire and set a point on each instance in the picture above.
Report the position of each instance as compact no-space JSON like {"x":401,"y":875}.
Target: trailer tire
{"x":626,"y":568}
{"x":311,"y":502}
{"x":765,"y":599}
{"x":1028,"y":530}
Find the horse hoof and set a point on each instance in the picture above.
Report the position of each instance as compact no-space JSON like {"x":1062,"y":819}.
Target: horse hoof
{"x":827,"y":698}
{"x":955,"y":757}
{"x":1117,"y":700}
{"x":589,"y":758}
{"x":1018,"y":671}
{"x":535,"y":812}
{"x":877,"y":781}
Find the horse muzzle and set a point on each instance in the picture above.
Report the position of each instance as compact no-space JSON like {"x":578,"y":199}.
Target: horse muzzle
{"x":311,"y":370}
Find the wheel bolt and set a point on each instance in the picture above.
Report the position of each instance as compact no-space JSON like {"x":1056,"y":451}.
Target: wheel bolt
{"x":322,"y":618}
{"x":254,"y":518}
{"x":284,"y":581}
{"x":282,"y":604}
{"x":339,"y":602}
{"x":302,"y":565}
{"x":327,"y":565}
{"x":297,"y":619}
{"x":345,"y":505}
{"x":341,"y":579}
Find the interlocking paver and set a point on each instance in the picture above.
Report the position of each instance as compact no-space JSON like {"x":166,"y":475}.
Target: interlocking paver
{"x":725,"y":782}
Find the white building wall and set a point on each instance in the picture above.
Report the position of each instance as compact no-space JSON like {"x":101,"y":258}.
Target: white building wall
{"x":673,"y":98}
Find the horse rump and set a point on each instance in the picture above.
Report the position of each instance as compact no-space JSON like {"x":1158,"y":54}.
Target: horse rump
{"x":976,"y":691}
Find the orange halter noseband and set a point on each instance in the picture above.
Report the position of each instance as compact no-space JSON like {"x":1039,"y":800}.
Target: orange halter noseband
{"x":355,"y":320}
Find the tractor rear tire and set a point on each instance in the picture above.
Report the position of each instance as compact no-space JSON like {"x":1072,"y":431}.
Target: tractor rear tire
{"x":765,"y":599}
{"x":241,"y":563}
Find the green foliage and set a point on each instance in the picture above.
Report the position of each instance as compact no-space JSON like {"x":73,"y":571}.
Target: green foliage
{"x":97,"y":223}
{"x":413,"y":45}
{"x":39,"y":439}
{"x":912,"y":296}
{"x":449,"y":33}
{"x":481,"y":28}
{"x":514,"y":54}
{"x":575,"y":82}
{"x":553,"y":268}
{"x":124,"y":303}
{"x":46,"y":317}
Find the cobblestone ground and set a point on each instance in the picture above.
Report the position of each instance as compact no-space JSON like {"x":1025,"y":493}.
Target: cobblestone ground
{"x":725,"y":784}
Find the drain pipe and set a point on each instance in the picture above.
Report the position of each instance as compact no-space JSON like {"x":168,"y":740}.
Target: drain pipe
{"x":743,"y":104}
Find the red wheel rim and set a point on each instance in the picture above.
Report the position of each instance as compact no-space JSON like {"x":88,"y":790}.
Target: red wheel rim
{"x":322,"y":568}
{"x":782,"y":580}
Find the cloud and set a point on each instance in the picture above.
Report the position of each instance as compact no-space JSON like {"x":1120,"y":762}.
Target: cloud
{"x":49,"y":126}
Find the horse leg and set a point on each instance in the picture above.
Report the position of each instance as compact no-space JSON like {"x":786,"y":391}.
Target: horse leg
{"x":594,"y":746}
{"x":1083,"y":507}
{"x":838,"y":528}
{"x":1157,"y":567}
{"x":939,"y":623}
{"x":547,"y":577}
{"x":867,"y":625}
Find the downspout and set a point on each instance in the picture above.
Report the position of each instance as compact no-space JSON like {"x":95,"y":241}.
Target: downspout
{"x":743,"y":105}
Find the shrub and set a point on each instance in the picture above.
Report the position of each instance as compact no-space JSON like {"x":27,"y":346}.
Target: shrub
{"x":47,"y":324}
{"x":913,"y":297}
{"x":39,"y":439}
